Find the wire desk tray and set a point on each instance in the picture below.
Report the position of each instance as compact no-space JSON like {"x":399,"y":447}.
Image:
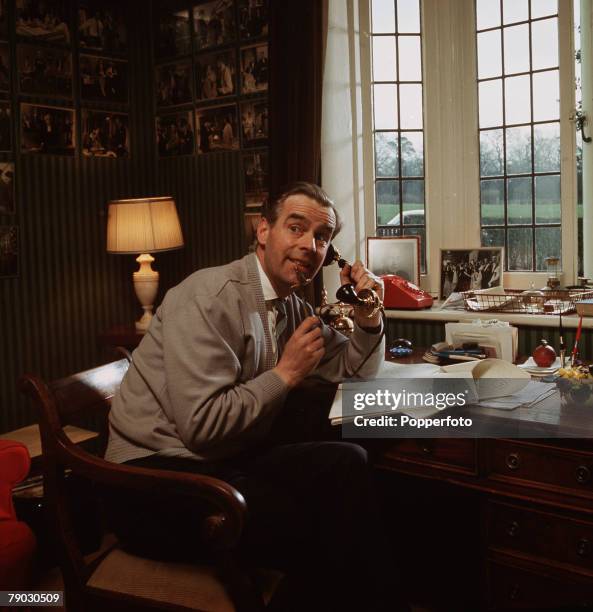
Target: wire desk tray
{"x":550,"y":302}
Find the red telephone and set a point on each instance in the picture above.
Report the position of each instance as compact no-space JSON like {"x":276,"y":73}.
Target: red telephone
{"x":400,"y":293}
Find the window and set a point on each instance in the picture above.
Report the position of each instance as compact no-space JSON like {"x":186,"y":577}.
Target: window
{"x":398,"y":138}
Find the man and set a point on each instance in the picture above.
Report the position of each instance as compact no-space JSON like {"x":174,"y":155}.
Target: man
{"x":211,"y":376}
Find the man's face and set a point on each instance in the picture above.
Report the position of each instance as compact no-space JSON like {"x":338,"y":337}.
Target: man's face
{"x":295,"y":246}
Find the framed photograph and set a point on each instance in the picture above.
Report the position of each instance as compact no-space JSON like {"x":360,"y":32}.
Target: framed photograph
{"x":7,"y":206}
{"x":466,"y":269}
{"x":5,"y":129}
{"x":254,"y":69}
{"x":103,"y":78}
{"x":214,"y":23}
{"x":215,"y":75}
{"x":4,"y":67}
{"x":44,"y":20}
{"x":171,"y":33}
{"x":44,"y":70}
{"x":175,"y":134}
{"x":105,"y":134}
{"x":9,"y":251}
{"x":217,"y":129}
{"x":3,"y":20}
{"x":251,"y":220}
{"x":253,"y":18}
{"x":255,"y":172}
{"x":395,"y":255}
{"x":173,"y":84}
{"x":102,"y":26}
{"x":254,"y":123}
{"x":47,"y":129}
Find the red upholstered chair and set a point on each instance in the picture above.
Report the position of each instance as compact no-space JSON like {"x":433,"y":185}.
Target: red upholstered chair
{"x":17,"y":542}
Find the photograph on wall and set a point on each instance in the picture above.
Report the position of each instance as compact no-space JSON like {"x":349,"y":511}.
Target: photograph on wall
{"x":105,"y":134}
{"x":3,"y":20}
{"x":217,"y":129}
{"x":45,"y":20}
{"x":171,"y":33}
{"x":253,"y":18}
{"x":254,"y":69}
{"x":254,"y":123}
{"x":399,"y":255}
{"x":44,"y":70}
{"x":214,"y":23}
{"x":251,"y":220}
{"x":175,"y":134}
{"x":173,"y":84}
{"x":470,"y":269}
{"x":102,"y":27}
{"x":4,"y":67}
{"x":47,"y":129}
{"x":255,"y":172}
{"x":215,"y":75}
{"x":7,"y":206}
{"x":9,"y":251}
{"x":103,"y":78}
{"x":5,"y":127}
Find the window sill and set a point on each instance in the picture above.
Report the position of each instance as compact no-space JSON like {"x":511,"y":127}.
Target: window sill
{"x":522,"y":320}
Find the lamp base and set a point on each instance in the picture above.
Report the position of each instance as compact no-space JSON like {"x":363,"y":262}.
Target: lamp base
{"x":146,"y":284}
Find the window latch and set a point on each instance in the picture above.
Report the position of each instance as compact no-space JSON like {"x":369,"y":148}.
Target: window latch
{"x":580,"y":119}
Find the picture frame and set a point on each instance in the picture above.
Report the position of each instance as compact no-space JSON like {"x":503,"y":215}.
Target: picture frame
{"x":175,"y":134}
{"x":173,"y":83}
{"x":470,"y":268}
{"x":255,"y":175}
{"x":9,"y":251}
{"x":47,"y":21}
{"x":214,"y":24}
{"x":254,"y":68}
{"x":398,"y":255}
{"x":217,"y":128}
{"x":7,"y":201}
{"x":215,"y":75}
{"x":104,"y":79}
{"x":44,"y":70}
{"x":172,"y":33}
{"x":47,"y":130}
{"x":4,"y":67}
{"x":253,"y":18}
{"x":105,"y":134}
{"x":102,"y":27}
{"x":255,"y":123}
{"x":5,"y":127}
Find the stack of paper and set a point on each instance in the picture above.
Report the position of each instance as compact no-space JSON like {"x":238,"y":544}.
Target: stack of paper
{"x":530,"y":395}
{"x":536,"y":371}
{"x":496,"y":337}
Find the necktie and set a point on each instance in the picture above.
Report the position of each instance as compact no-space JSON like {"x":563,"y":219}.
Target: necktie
{"x":280,"y":307}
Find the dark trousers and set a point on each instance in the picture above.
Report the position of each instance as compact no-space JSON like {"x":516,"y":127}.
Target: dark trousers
{"x":311,"y":513}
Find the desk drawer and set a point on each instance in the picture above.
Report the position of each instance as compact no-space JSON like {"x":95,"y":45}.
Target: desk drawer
{"x":542,"y":535}
{"x":540,"y":466}
{"x":459,"y":454}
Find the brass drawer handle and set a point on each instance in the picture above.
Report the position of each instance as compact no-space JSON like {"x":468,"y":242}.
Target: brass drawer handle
{"x":583,"y":547}
{"x":513,"y":461}
{"x":513,"y":529}
{"x":583,"y":474}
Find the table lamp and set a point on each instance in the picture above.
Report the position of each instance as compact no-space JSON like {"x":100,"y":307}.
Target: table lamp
{"x":142,"y":226}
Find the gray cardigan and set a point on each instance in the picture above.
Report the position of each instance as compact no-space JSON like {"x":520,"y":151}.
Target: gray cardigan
{"x":201,"y":383}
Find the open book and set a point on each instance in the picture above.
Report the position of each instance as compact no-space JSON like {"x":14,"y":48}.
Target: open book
{"x":485,"y":379}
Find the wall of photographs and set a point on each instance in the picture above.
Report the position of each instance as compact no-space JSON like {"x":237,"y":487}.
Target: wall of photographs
{"x":211,"y":87}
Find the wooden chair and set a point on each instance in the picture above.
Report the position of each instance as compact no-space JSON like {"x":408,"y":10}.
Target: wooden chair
{"x":112,"y":577}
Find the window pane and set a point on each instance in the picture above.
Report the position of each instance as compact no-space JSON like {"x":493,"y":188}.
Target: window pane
{"x":493,"y":237}
{"x":389,"y":231}
{"x":384,"y":58}
{"x":385,"y":107}
{"x":544,"y":44}
{"x":520,"y":244}
{"x":546,"y":96}
{"x":516,"y":49}
{"x":387,"y":197}
{"x":547,"y":199}
{"x":519,"y":201}
{"x":514,"y":10}
{"x":517,"y":100}
{"x":383,"y":15}
{"x":489,"y":54}
{"x":541,"y":8}
{"x":518,"y":151}
{"x":386,"y":154}
{"x":492,"y":202}
{"x":547,"y":147}
{"x":408,"y":16}
{"x":419,"y":231}
{"x":548,"y":243}
{"x":410,"y":98}
{"x":410,"y":59}
{"x":412,"y":145}
{"x":487,"y":14}
{"x":491,"y":153}
{"x":490,"y":103}
{"x":413,"y":202}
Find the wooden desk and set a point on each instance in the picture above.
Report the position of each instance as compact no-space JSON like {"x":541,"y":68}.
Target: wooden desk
{"x":121,"y":335}
{"x":534,"y":513}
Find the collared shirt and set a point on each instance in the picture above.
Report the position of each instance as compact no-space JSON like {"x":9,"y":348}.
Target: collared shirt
{"x":270,"y":296}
